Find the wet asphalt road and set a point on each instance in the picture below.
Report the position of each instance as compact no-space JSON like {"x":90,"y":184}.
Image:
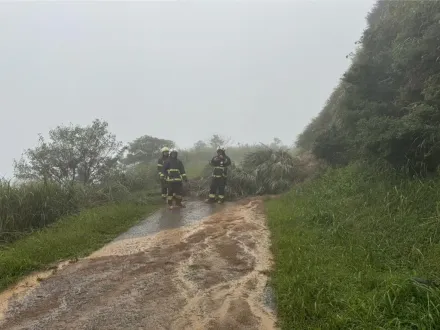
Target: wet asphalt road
{"x":164,"y":219}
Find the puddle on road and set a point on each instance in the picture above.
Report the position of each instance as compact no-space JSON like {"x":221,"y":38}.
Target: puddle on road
{"x":161,"y":220}
{"x":269,"y":298}
{"x":158,"y":226}
{"x":165,"y":219}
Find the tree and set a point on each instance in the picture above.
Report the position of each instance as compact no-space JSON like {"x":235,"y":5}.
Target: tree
{"x":146,"y":149}
{"x":276,"y":143}
{"x":72,"y":154}
{"x":217,"y":140}
{"x":199,"y":145}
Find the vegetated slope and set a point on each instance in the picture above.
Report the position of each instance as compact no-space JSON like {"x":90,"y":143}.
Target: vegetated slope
{"x":386,"y":106}
{"x":358,"y":248}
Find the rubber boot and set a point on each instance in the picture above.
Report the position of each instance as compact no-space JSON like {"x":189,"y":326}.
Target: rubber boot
{"x":179,"y":203}
{"x":170,"y":204}
{"x":210,"y":200}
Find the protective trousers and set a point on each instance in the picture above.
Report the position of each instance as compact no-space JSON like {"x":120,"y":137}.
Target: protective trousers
{"x":175,"y":190}
{"x":217,"y":184}
{"x":164,"y":188}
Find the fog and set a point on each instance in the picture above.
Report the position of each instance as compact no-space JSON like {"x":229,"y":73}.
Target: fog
{"x":246,"y":70}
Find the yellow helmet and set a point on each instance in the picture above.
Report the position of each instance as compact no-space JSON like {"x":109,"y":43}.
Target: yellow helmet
{"x":165,"y":149}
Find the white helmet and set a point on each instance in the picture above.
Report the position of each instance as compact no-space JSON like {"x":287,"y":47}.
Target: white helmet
{"x":173,"y":150}
{"x":165,"y":149}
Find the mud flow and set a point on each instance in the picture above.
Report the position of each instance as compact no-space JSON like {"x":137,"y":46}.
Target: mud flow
{"x":172,"y":271}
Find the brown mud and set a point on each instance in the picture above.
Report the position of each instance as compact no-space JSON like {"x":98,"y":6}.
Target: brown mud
{"x":207,"y":275}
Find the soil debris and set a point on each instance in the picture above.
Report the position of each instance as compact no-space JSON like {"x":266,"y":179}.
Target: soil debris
{"x":208,"y":275}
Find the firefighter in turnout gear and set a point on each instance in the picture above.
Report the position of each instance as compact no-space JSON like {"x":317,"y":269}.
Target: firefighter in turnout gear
{"x":219,"y":176}
{"x":174,"y":172}
{"x":160,"y":163}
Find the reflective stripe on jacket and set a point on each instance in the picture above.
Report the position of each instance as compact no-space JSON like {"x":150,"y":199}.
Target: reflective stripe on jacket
{"x":220,"y":166}
{"x":219,"y":172}
{"x":174,"y":170}
{"x":160,"y":164}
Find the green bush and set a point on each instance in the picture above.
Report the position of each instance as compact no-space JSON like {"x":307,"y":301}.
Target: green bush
{"x":262,"y":171}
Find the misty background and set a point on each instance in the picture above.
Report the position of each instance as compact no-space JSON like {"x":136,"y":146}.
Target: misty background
{"x":176,"y":70}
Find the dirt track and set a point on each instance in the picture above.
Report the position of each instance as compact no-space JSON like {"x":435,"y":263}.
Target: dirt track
{"x":209,"y":275}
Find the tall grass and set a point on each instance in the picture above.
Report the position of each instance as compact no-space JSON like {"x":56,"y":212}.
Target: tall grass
{"x":358,"y":249}
{"x":71,"y":237}
{"x":34,"y":205}
{"x":29,"y":206}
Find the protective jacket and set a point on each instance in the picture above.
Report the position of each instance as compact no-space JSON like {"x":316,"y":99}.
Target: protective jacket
{"x":220,"y":166}
{"x":160,"y":164}
{"x":173,"y":170}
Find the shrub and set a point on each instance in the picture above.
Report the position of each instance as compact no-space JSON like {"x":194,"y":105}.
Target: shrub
{"x":263,"y":171}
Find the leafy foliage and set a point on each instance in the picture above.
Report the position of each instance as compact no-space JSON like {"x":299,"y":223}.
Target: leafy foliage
{"x":217,"y":140}
{"x":199,"y":145}
{"x":78,"y":168}
{"x":387,"y":104}
{"x":146,"y":149}
{"x":72,"y":154}
{"x":82,"y":167}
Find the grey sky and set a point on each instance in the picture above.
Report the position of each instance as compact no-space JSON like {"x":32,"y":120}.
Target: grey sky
{"x":179,"y":70}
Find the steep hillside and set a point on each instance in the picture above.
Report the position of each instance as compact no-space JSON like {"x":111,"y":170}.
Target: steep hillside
{"x":358,"y":247}
{"x":386,"y":105}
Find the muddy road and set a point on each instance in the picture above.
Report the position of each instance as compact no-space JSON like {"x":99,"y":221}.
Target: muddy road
{"x":204,"y":267}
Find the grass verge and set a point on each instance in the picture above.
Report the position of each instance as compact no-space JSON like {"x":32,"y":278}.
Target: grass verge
{"x":70,"y":237}
{"x":357,"y":250}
